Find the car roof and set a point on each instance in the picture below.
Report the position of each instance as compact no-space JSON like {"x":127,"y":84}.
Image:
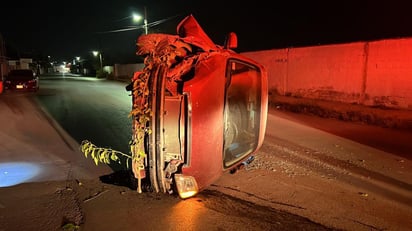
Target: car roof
{"x":21,"y":72}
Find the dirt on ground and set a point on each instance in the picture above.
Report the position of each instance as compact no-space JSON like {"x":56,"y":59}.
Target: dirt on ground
{"x":103,"y":204}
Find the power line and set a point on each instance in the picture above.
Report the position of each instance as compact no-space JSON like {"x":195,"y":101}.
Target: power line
{"x":152,"y":24}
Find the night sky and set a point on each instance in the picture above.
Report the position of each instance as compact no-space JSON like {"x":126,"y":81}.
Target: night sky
{"x":65,"y":29}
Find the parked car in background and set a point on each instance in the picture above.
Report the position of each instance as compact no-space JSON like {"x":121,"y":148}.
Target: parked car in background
{"x":21,"y":79}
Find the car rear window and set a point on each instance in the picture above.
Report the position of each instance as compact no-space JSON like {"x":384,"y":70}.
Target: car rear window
{"x":21,"y":74}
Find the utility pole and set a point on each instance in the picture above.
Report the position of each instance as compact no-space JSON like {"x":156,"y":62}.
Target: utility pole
{"x":101,"y":61}
{"x":145,"y":21}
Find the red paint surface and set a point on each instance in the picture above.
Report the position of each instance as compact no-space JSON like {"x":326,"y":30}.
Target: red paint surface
{"x":207,"y":102}
{"x":375,"y":73}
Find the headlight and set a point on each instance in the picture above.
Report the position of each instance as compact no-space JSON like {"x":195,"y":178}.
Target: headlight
{"x":186,"y":186}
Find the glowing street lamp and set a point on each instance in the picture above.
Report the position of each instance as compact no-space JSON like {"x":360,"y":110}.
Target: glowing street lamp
{"x":95,"y":53}
{"x":76,"y":60}
{"x":138,"y":17}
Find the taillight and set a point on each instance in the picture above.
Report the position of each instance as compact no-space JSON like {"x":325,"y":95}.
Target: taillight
{"x":186,"y":186}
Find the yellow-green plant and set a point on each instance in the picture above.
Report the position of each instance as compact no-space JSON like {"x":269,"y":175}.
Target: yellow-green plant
{"x":101,"y":155}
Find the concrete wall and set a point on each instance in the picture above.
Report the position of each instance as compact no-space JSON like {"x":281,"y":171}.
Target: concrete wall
{"x":125,"y":71}
{"x":389,"y":73}
{"x":377,"y":73}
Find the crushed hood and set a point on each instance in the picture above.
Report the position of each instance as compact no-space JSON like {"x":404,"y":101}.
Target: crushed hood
{"x":191,"y":32}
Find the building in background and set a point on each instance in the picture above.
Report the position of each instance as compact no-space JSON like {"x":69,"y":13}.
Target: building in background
{"x":22,"y":63}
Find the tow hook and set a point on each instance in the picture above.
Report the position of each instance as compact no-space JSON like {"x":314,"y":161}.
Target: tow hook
{"x":249,"y":160}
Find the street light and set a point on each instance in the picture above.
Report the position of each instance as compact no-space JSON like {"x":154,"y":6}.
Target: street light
{"x":76,"y":60}
{"x":145,"y":21}
{"x":137,"y":17}
{"x":95,"y":53}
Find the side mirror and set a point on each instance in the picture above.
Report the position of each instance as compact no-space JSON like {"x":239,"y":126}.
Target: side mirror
{"x":231,"y":41}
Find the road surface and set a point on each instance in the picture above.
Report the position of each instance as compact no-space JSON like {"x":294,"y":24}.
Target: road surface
{"x":308,"y":175}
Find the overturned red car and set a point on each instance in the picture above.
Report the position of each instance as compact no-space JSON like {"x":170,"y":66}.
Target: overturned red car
{"x":199,"y":110}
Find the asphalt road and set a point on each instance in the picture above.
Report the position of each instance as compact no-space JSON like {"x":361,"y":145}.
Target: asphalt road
{"x":35,"y":147}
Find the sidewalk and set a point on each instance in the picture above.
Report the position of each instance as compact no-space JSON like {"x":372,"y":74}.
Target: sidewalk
{"x":387,"y":118}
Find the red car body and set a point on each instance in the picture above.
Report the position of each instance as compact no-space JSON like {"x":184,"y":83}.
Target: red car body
{"x":199,"y":110}
{"x":22,"y":80}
